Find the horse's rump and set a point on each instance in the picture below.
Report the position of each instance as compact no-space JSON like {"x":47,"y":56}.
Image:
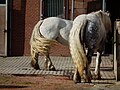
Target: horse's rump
{"x":38,"y":42}
{"x":95,"y":33}
{"x":56,"y":28}
{"x":51,"y":26}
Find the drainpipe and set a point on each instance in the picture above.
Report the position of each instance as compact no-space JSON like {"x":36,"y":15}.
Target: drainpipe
{"x":41,"y":15}
{"x":104,"y":5}
{"x":72,"y":9}
{"x":67,"y":9}
{"x":5,"y":31}
{"x":9,"y":4}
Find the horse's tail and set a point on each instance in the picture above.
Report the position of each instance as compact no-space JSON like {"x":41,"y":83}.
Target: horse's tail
{"x":76,"y":47}
{"x":36,"y":28}
{"x":38,"y":43}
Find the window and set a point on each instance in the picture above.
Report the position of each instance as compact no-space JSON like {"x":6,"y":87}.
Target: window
{"x":2,"y":1}
{"x":53,"y":8}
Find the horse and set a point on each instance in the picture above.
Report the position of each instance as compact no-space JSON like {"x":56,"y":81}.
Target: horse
{"x":47,"y":33}
{"x":89,"y":32}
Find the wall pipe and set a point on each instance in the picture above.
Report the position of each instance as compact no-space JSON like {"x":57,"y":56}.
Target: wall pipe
{"x":104,"y":5}
{"x":41,"y":15}
{"x":72,"y":10}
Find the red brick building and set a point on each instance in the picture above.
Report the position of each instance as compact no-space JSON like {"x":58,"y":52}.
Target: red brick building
{"x":22,"y":15}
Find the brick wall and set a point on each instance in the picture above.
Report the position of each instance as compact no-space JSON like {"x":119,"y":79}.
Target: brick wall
{"x":32,"y":16}
{"x":25,"y":14}
{"x":84,"y":6}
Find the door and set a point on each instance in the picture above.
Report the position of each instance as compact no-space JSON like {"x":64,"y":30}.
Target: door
{"x":3,"y":28}
{"x":112,"y":7}
{"x":117,"y":50}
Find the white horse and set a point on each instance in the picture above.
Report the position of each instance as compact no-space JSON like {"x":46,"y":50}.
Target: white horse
{"x":89,"y":31}
{"x":46,"y":33}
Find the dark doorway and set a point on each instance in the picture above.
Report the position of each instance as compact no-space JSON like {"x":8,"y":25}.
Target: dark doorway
{"x":16,"y":27}
{"x":113,"y":7}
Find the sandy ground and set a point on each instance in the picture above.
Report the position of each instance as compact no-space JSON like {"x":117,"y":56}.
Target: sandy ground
{"x":8,"y":82}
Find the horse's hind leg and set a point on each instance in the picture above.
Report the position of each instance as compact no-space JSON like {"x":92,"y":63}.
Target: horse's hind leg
{"x":34,"y":62}
{"x":97,"y":67}
{"x":87,"y":69}
{"x":48,"y":63}
{"x":77,"y":77}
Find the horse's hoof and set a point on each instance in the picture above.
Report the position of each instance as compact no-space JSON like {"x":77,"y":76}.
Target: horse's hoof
{"x":77,"y":81}
{"x":87,"y":79}
{"x":96,"y":77}
{"x":35,"y":66}
{"x":52,"y":68}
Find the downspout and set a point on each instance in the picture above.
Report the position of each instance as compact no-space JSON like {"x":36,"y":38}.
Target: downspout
{"x":10,"y":26}
{"x":67,"y":9}
{"x":104,"y":5}
{"x":41,"y":15}
{"x":5,"y":31}
{"x":72,"y":10}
